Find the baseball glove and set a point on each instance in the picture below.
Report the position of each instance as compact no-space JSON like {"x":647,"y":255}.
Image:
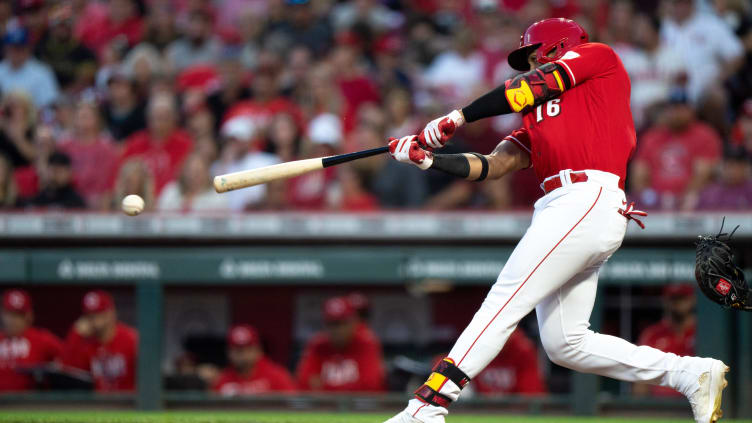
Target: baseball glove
{"x":719,"y":278}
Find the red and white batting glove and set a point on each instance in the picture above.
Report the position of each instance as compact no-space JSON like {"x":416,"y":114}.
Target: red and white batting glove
{"x":438,"y":131}
{"x":408,"y":150}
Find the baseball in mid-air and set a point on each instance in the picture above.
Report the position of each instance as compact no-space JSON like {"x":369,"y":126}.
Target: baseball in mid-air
{"x":133,"y":205}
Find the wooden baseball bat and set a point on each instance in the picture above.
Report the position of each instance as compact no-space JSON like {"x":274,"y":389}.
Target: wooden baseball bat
{"x":262,"y":175}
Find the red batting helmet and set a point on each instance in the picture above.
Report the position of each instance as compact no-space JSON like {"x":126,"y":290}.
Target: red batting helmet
{"x":557,"y":35}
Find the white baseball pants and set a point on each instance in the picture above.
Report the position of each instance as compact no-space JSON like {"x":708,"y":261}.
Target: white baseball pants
{"x":554,"y":269}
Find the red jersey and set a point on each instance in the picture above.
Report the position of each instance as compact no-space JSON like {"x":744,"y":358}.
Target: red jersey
{"x":514,"y":371}
{"x":263,"y":113}
{"x":671,"y":156}
{"x":358,"y":367}
{"x":33,"y":347}
{"x":162,"y":158}
{"x":93,"y":165}
{"x":663,"y":337}
{"x":266,"y":376}
{"x":590,"y":125}
{"x":112,"y":365}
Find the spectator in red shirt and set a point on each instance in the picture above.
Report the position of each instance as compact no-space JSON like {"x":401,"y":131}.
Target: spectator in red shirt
{"x":742,"y":131}
{"x":313,"y":191}
{"x":733,"y":190}
{"x":162,"y":146}
{"x":93,"y":156}
{"x":100,"y":344}
{"x":341,"y":358}
{"x":120,"y":21}
{"x":22,"y":345}
{"x":250,"y":371}
{"x":675,"y":160}
{"x":354,"y":84}
{"x":266,"y":102}
{"x":674,"y":334}
{"x":514,"y":371}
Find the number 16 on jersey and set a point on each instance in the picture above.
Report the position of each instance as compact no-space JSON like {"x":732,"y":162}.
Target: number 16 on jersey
{"x":552,"y":109}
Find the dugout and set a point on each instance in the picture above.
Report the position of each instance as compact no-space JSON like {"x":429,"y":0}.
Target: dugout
{"x":289,"y":262}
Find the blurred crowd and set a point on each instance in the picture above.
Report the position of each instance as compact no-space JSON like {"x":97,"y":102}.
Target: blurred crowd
{"x":100,"y":353}
{"x":105,"y":98}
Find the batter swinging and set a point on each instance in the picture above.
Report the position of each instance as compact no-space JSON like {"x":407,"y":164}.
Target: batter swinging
{"x":578,"y":135}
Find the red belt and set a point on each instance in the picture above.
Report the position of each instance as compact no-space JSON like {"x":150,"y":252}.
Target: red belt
{"x":553,"y":183}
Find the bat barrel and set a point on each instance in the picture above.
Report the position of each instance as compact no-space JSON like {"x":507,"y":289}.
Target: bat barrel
{"x":262,"y":175}
{"x":252,"y":177}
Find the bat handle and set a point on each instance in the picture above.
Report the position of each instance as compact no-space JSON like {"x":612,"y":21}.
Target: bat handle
{"x":344,"y":158}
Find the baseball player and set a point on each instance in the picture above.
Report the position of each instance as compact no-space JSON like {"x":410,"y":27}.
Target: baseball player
{"x":342,"y":358}
{"x":578,"y":136}
{"x":22,"y":346}
{"x":100,"y":344}
{"x":250,"y":371}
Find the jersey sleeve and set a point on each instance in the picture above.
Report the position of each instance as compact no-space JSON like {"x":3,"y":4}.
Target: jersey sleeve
{"x":529,"y":379}
{"x":647,"y":337}
{"x":521,"y":138}
{"x":309,"y":366}
{"x":54,"y":347}
{"x":283,"y":381}
{"x":74,"y":352}
{"x":727,"y":44}
{"x":588,"y":61}
{"x":707,"y":144}
{"x":220,"y":382}
{"x":371,"y":367}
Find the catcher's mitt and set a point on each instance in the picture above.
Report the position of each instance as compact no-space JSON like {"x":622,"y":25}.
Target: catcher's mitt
{"x":719,"y":278}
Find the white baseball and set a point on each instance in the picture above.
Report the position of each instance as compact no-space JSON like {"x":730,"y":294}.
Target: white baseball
{"x":133,"y":205}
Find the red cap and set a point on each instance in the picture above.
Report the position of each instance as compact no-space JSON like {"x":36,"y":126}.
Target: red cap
{"x":358,"y":301}
{"x":678,"y":290}
{"x":97,"y":301}
{"x":17,"y":300}
{"x":338,"y":309}
{"x":242,"y":336}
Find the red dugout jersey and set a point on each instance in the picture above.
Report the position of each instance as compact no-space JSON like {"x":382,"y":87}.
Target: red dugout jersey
{"x":112,"y":365}
{"x":266,"y":376}
{"x":33,"y":347}
{"x":359,"y":367}
{"x":514,"y":371}
{"x":663,"y":337}
{"x":590,"y":125}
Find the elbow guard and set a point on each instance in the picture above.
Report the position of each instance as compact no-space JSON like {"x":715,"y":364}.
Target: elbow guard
{"x":537,"y":86}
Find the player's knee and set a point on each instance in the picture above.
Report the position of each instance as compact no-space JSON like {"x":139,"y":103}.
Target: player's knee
{"x":562,"y":349}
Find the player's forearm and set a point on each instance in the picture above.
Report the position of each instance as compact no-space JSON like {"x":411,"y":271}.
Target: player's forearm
{"x":470,"y":166}
{"x":474,"y":166}
{"x":505,"y":158}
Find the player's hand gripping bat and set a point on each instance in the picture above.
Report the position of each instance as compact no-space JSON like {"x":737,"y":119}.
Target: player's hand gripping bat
{"x":262,"y":175}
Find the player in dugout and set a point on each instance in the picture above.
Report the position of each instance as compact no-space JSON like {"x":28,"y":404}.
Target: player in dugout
{"x":578,"y":135}
{"x":341,"y":358}
{"x":100,"y":344}
{"x":675,"y":333}
{"x":514,"y":371}
{"x":362,"y":307}
{"x":23,"y":346}
{"x":250,"y":372}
